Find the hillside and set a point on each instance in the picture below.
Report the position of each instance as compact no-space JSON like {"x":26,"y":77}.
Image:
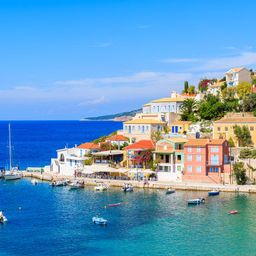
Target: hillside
{"x":124,"y":116}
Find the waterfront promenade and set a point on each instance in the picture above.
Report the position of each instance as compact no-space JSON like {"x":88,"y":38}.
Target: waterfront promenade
{"x":150,"y":184}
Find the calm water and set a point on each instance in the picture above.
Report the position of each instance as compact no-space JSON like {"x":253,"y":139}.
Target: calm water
{"x":56,"y":221}
{"x":35,"y":142}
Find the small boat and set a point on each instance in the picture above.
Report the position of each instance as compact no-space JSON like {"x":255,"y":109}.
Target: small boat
{"x":169,"y":191}
{"x":34,"y":181}
{"x":75,"y":185}
{"x":233,"y":212}
{"x":99,"y":220}
{"x":59,"y":183}
{"x":12,"y":175}
{"x":127,"y":188}
{"x":101,"y":187}
{"x":196,"y":201}
{"x":3,"y":219}
{"x":116,"y":204}
{"x":213,"y":193}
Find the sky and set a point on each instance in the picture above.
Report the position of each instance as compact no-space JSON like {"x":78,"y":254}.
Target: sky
{"x":69,"y":59}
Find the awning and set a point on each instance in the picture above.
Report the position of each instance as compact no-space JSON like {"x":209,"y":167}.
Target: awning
{"x":109,"y":153}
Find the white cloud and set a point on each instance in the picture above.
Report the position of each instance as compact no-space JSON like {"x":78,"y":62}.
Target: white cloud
{"x":95,"y":101}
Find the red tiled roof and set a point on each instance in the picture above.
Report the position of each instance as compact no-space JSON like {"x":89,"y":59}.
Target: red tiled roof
{"x":140,"y":145}
{"x":203,"y":142}
{"x":89,"y":145}
{"x":117,"y":138}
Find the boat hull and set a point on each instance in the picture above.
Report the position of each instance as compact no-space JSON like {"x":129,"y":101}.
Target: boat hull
{"x":12,"y":176}
{"x":213,"y":193}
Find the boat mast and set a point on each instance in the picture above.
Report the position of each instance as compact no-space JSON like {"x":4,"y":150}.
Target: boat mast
{"x":10,"y":148}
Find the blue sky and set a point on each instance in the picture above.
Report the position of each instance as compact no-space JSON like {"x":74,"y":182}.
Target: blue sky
{"x":69,"y":59}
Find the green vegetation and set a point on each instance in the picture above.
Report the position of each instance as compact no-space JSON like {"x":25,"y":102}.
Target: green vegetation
{"x":243,"y":89}
{"x":247,"y":153}
{"x":188,"y":109}
{"x":88,"y":161}
{"x":156,"y":136}
{"x":231,"y":142}
{"x":243,"y":136}
{"x":240,"y":173}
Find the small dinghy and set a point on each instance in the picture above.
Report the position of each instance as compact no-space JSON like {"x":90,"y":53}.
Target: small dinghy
{"x":101,"y":187}
{"x":75,"y":185}
{"x":34,"y":181}
{"x":127,"y":188}
{"x":213,"y":193}
{"x":116,"y":204}
{"x":3,"y":219}
{"x":59,"y":183}
{"x":169,"y":191}
{"x":99,"y":220}
{"x":233,"y":212}
{"x":196,"y":201}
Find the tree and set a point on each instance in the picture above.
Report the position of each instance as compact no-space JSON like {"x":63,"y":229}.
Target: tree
{"x":245,"y":153}
{"x":203,"y":85}
{"x":191,"y":89}
{"x":231,"y":142}
{"x":156,"y":136}
{"x":243,"y":136}
{"x":211,"y":108}
{"x":224,"y":86}
{"x":249,"y":103}
{"x":240,"y":173}
{"x":188,"y":109}
{"x":243,"y":89}
{"x":185,"y":87}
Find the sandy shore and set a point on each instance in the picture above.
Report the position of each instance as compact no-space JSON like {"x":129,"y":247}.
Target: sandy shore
{"x":151,"y":185}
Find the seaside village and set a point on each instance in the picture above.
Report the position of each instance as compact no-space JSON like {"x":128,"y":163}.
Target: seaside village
{"x":205,"y":134}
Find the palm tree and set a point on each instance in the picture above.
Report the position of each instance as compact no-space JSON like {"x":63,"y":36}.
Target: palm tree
{"x":188,"y":109}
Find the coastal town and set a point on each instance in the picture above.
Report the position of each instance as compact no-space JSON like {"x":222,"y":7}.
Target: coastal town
{"x":200,"y":135}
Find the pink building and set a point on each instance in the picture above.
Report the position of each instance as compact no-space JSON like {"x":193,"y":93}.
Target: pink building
{"x":206,"y":160}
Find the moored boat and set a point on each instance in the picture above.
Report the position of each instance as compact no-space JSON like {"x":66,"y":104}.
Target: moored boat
{"x":75,"y":185}
{"x":99,"y":220}
{"x":169,"y":191}
{"x":233,"y":212}
{"x":3,"y":219}
{"x":101,"y":187}
{"x":34,"y":181}
{"x":213,"y":193}
{"x":59,"y":183}
{"x":127,"y":187}
{"x":196,"y":201}
{"x":12,"y":175}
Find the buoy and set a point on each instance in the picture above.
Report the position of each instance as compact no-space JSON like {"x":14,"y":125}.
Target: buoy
{"x":233,"y":212}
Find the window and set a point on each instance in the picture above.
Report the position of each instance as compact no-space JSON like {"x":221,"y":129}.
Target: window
{"x":178,"y":168}
{"x":70,"y":162}
{"x":165,"y":147}
{"x":214,"y":149}
{"x":214,"y":159}
{"x":198,"y":169}
{"x":218,"y":128}
{"x":189,"y":168}
{"x":189,"y":149}
{"x":138,"y":128}
{"x":198,"y":158}
{"x":198,"y":149}
{"x":251,"y":128}
{"x":179,"y":157}
{"x":189,"y":157}
{"x":214,"y":169}
{"x":133,"y":127}
{"x":226,"y":129}
{"x":81,"y":152}
{"x":143,"y":128}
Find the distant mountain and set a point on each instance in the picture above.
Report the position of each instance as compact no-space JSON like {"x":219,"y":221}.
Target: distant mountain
{"x":124,"y":116}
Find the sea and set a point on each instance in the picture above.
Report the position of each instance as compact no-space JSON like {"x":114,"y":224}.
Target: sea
{"x":45,"y":220}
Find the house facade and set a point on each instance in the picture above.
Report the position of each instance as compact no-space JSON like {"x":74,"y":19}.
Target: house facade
{"x":237,"y":75}
{"x":142,"y":129}
{"x":224,"y":128}
{"x":169,"y":156}
{"x":179,"y":127}
{"x":207,"y":160}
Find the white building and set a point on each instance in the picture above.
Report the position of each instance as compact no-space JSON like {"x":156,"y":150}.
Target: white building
{"x":71,"y":160}
{"x":237,"y":75}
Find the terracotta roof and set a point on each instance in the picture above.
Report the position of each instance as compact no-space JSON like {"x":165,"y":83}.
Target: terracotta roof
{"x":196,"y":142}
{"x":144,"y":121}
{"x":235,"y":69}
{"x":89,"y":145}
{"x":117,"y":138}
{"x":234,"y":120}
{"x":141,"y":145}
{"x":216,"y":141}
{"x":203,"y":142}
{"x":178,"y":140}
{"x":169,"y":99}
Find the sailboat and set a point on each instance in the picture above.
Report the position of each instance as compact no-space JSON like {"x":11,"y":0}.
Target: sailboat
{"x":12,"y":174}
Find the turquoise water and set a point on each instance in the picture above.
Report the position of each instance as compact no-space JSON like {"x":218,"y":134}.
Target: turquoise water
{"x":56,"y":221}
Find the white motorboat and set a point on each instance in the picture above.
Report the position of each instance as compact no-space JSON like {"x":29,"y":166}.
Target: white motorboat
{"x":127,"y":188}
{"x":13,"y":173}
{"x":99,"y":220}
{"x":34,"y":181}
{"x":75,"y":185}
{"x":101,"y":187}
{"x":59,"y":183}
{"x":3,"y":219}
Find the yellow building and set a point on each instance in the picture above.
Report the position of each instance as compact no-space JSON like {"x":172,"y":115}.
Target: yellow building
{"x":180,"y":127}
{"x":224,"y":128}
